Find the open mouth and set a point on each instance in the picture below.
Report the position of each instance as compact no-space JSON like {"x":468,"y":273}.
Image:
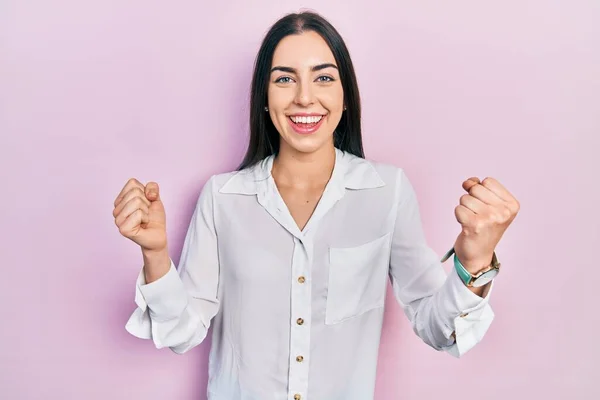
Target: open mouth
{"x":312,"y":120}
{"x":306,"y":124}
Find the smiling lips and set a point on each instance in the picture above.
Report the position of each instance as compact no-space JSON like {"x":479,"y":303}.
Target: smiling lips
{"x":306,"y":124}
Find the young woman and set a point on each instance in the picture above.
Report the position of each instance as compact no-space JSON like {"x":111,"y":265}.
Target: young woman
{"x":288,"y":258}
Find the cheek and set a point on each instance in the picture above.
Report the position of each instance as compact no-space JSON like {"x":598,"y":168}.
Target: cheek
{"x":333,"y":100}
{"x":271,"y":97}
{"x":279,"y":98}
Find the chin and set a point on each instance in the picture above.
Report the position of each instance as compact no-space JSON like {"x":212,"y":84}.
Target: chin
{"x":308,"y":144}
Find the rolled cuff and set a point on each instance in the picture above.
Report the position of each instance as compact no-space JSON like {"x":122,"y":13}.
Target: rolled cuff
{"x":164,"y":299}
{"x":463,"y":312}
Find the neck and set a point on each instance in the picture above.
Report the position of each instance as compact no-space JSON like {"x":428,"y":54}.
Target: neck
{"x":303,"y":170}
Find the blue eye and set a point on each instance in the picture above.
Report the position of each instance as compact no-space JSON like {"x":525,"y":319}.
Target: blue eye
{"x":281,"y":79}
{"x":325,"y":79}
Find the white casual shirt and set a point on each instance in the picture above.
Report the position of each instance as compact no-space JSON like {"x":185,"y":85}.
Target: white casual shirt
{"x":297,"y":314}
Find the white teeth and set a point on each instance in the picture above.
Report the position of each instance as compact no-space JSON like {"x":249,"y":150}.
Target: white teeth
{"x":306,"y":120}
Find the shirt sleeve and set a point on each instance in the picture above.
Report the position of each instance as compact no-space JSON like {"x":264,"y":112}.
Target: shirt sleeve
{"x":437,"y":304}
{"x":176,"y":310}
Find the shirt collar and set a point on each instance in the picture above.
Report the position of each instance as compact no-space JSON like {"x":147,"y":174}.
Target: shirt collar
{"x":349,"y":172}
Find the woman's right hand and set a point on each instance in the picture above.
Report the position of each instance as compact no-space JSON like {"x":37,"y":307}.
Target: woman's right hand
{"x":140,"y":215}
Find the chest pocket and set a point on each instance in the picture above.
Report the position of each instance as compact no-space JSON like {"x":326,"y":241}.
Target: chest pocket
{"x":357,"y":279}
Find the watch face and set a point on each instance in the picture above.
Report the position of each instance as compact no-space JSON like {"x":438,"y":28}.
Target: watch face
{"x":485,"y":278}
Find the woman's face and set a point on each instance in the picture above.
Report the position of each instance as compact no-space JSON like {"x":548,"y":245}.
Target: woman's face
{"x":305,"y":95}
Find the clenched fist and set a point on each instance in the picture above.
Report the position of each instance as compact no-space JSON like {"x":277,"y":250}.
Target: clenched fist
{"x":484,"y":215}
{"x":140,"y":215}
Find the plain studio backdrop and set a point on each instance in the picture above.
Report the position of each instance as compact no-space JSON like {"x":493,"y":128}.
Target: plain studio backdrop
{"x":95,"y":92}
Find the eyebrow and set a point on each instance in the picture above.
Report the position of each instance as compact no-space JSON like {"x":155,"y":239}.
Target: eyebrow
{"x":313,"y":69}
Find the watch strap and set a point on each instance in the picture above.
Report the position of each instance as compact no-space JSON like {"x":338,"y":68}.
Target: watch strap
{"x":462,"y":272}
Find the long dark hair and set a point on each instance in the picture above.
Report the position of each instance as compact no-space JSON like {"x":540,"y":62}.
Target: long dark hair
{"x":264,"y":138}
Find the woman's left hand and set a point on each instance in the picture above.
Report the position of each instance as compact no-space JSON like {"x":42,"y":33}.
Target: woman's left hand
{"x":484,"y":214}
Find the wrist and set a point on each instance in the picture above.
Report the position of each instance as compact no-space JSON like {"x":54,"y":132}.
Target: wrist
{"x":155,"y":253}
{"x":156,"y":264}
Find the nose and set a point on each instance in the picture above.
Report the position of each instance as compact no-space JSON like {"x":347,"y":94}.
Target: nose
{"x":304,"y":95}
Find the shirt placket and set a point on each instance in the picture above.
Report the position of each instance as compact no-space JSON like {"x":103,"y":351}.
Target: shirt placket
{"x":301,"y":304}
{"x":300,"y":319}
{"x":300,"y":293}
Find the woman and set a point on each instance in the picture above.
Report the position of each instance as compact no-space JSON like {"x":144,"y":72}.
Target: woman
{"x":288,"y":257}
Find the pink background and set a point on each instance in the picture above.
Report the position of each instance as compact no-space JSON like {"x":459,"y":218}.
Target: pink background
{"x":95,"y":92}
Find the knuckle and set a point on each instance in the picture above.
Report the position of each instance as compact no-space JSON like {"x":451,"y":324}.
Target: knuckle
{"x":121,"y":220}
{"x":134,"y":194}
{"x":516,"y":206}
{"x":469,"y":228}
{"x":495,"y":218}
{"x":478,"y":226}
{"x":132,"y":181}
{"x":492,"y":214}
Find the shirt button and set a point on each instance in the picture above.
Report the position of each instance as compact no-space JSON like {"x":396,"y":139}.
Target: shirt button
{"x":297,"y":397}
{"x":464,"y":315}
{"x":299,"y":358}
{"x":299,"y":321}
{"x":301,"y":279}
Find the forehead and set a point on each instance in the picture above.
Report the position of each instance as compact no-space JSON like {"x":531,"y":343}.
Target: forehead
{"x":303,"y":50}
